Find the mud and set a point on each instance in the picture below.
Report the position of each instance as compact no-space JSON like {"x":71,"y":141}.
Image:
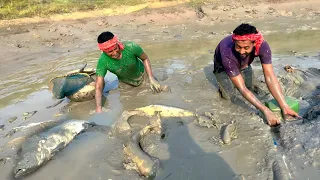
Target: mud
{"x":300,"y":143}
{"x":180,"y":46}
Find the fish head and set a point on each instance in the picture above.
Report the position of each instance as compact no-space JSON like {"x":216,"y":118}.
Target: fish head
{"x":26,"y":165}
{"x":156,"y":165}
{"x":87,"y":125}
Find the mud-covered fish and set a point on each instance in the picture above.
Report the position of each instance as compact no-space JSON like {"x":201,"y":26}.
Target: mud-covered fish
{"x":142,"y":162}
{"x":38,"y":149}
{"x":122,"y":124}
{"x":39,"y":127}
{"x":279,"y":169}
{"x":228,"y":133}
{"x":165,"y":111}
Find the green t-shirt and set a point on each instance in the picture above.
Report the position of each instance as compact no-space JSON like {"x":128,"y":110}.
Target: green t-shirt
{"x":129,"y":69}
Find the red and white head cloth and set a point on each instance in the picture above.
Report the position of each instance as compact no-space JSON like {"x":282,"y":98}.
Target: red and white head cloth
{"x":258,"y":38}
{"x":110,"y":44}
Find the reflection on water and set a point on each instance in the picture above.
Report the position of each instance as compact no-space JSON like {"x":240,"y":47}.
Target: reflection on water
{"x":299,"y":41}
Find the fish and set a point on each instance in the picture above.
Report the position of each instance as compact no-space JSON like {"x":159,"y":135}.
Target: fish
{"x":165,"y":111}
{"x":228,"y":133}
{"x":55,"y":104}
{"x":143,"y":163}
{"x":40,"y":148}
{"x":280,"y":169}
{"x":39,"y":127}
{"x":122,"y":124}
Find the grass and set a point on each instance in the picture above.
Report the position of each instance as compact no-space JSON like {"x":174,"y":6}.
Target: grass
{"x":195,"y":3}
{"x":11,"y":9}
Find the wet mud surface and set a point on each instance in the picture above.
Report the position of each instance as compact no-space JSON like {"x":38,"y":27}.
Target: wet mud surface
{"x":181,"y":55}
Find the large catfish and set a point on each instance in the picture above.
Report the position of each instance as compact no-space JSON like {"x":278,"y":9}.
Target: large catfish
{"x":40,"y":148}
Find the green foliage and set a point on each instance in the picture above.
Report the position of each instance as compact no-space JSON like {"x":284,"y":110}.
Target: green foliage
{"x":11,"y":9}
{"x":197,"y":3}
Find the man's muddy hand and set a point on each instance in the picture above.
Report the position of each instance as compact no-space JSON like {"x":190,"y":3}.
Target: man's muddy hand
{"x":98,"y":109}
{"x":289,"y":114}
{"x":154,"y":85}
{"x":271,"y":118}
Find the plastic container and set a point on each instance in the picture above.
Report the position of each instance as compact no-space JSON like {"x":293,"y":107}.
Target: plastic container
{"x":274,"y":106}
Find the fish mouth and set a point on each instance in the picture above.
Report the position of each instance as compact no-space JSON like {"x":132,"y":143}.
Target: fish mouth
{"x":19,"y":172}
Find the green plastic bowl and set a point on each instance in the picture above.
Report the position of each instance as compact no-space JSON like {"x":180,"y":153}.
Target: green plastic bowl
{"x":292,"y":102}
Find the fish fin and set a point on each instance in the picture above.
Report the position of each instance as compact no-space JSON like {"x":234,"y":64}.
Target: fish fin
{"x":100,"y":128}
{"x":158,"y":162}
{"x":59,"y":146}
{"x":87,"y":125}
{"x":82,"y":69}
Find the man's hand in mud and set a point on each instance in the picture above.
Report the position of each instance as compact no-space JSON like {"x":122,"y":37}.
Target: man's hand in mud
{"x":98,"y":109}
{"x":289,"y":114}
{"x":271,"y":118}
{"x":154,"y":85}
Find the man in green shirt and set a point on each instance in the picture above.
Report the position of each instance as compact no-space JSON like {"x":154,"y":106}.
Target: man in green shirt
{"x":126,"y":60}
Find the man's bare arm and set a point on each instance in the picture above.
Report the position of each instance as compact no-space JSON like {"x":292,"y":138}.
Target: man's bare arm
{"x":154,"y":84}
{"x":146,"y":63}
{"x":98,"y":95}
{"x":247,"y":94}
{"x":273,"y":85}
{"x":276,"y":91}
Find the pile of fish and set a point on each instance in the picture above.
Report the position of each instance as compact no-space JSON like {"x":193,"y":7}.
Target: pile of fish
{"x":142,"y":162}
{"x":39,"y":148}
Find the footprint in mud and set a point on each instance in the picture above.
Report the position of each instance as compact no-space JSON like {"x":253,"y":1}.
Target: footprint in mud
{"x":12,"y":119}
{"x":2,"y":161}
{"x":199,"y":12}
{"x":28,"y":115}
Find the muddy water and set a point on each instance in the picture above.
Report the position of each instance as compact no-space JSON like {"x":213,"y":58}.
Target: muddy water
{"x":181,"y":57}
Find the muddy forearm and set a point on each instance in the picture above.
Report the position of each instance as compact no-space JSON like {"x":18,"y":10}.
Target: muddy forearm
{"x":248,"y":95}
{"x":147,"y":67}
{"x":273,"y":85}
{"x":98,"y":97}
{"x":275,"y":90}
{"x":98,"y":94}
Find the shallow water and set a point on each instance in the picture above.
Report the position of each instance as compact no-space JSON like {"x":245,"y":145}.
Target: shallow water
{"x":184,"y":63}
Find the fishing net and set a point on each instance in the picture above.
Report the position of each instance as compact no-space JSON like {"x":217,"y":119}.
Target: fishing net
{"x":69,"y":84}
